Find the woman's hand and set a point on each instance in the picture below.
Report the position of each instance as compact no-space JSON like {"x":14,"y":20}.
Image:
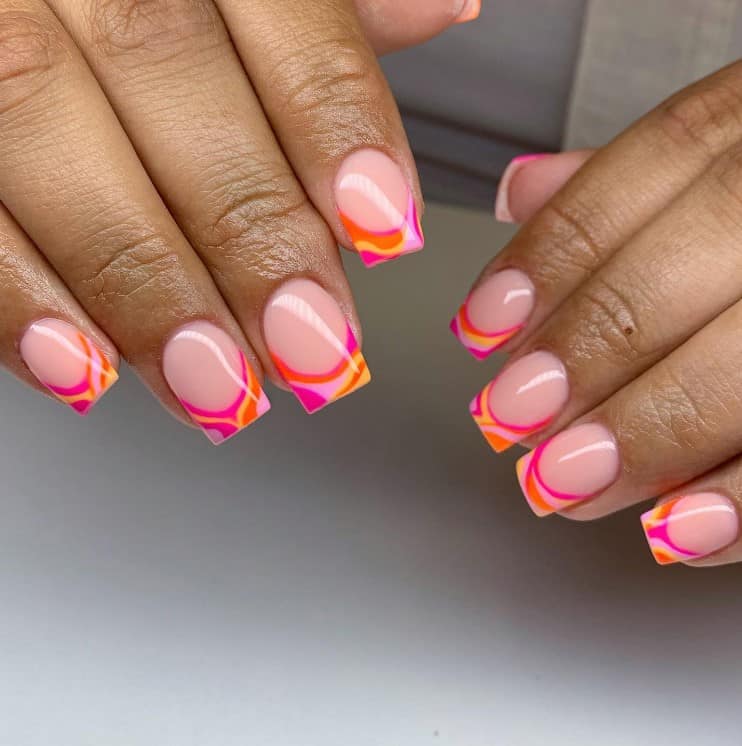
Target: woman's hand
{"x":176,"y":176}
{"x":619,"y":302}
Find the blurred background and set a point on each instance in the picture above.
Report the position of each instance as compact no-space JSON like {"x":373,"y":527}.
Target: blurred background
{"x":369,"y":576}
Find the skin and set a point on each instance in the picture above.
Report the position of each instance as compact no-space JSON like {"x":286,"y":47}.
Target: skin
{"x":168,"y":161}
{"x":634,"y":252}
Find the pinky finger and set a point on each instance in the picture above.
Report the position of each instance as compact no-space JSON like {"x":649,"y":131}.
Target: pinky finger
{"x":699,"y":524}
{"x":46,"y":339}
{"x":530,"y":181}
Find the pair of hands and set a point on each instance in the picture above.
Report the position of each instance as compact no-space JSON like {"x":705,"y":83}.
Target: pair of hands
{"x":176,"y":176}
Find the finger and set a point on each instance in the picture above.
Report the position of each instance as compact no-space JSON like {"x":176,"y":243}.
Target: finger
{"x":81,"y":194}
{"x":530,"y":181}
{"x":271,"y":254}
{"x":331,"y":108}
{"x":46,"y":339}
{"x":645,"y":301}
{"x":391,"y":25}
{"x":672,"y":424}
{"x":608,"y":200}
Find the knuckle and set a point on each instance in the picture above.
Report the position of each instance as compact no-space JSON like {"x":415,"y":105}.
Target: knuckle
{"x":708,"y":117}
{"x":612,"y":316}
{"x":31,"y":48}
{"x":133,"y":261}
{"x":565,"y":238}
{"x":252,"y":216}
{"x":325,"y":84}
{"x":159,"y":27}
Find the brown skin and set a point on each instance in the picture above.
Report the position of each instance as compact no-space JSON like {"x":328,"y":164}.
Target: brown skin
{"x":637,"y":267}
{"x":166,"y":174}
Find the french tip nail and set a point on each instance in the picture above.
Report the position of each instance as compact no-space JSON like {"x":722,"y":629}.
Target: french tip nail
{"x":470,"y":11}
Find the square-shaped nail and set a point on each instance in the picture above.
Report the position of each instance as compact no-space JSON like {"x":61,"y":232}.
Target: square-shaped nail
{"x":495,"y":311}
{"x":690,"y":526}
{"x":68,"y":363}
{"x":573,"y":466}
{"x":213,"y":380}
{"x":312,"y":344}
{"x":377,"y":207}
{"x":522,"y":400}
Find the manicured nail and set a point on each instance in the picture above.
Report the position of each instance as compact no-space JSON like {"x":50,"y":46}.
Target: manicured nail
{"x":495,"y":311}
{"x":502,"y":201}
{"x":67,"y":363}
{"x":377,"y":207}
{"x":522,"y":400}
{"x":575,"y":465}
{"x":470,"y":11}
{"x":312,"y":345}
{"x":213,"y":381}
{"x":690,"y":526}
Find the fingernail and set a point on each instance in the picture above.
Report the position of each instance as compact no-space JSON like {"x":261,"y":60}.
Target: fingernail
{"x":377,"y":207}
{"x":470,"y":11}
{"x":312,"y":345}
{"x":690,"y":526}
{"x":68,"y":363}
{"x":213,"y":381}
{"x":494,"y":312}
{"x":522,"y":400}
{"x":575,"y":465}
{"x":502,"y":201}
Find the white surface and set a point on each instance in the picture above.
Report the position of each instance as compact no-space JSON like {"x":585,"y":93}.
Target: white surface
{"x":369,"y":576}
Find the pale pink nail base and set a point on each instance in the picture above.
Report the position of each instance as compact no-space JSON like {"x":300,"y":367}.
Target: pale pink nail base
{"x":68,"y":363}
{"x":522,"y":400}
{"x":494,"y":312}
{"x":312,"y":345}
{"x":689,"y":527}
{"x":576,"y":465}
{"x":377,"y":207}
{"x":213,"y":380}
{"x":470,"y":12}
{"x":502,"y":202}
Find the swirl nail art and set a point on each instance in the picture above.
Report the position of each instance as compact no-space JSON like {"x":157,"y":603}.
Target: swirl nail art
{"x":312,"y":344}
{"x":494,"y":312}
{"x":522,"y":400}
{"x":68,"y":363}
{"x":377,"y":207}
{"x":316,"y":391}
{"x":213,"y":381}
{"x":573,"y":466}
{"x":689,"y":527}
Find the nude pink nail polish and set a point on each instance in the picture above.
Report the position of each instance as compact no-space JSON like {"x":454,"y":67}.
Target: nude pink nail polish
{"x":470,"y":11}
{"x":377,"y":207}
{"x":573,"y":466}
{"x":522,"y":400}
{"x":312,"y":344}
{"x":68,"y":363}
{"x":503,"y":212}
{"x":213,"y":380}
{"x":494,"y":312}
{"x":690,"y":526}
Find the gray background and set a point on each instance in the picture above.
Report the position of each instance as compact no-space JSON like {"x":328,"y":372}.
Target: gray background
{"x":368,"y":576}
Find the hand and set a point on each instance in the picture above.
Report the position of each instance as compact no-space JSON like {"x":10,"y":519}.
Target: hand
{"x":176,"y":175}
{"x":619,"y":304}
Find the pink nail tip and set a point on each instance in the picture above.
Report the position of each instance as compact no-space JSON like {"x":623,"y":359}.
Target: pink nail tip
{"x":689,"y":527}
{"x":377,"y":207}
{"x":213,"y":380}
{"x":68,"y":363}
{"x":576,"y":465}
{"x":521,"y":401}
{"x":502,"y":201}
{"x":494,"y":312}
{"x":312,"y":345}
